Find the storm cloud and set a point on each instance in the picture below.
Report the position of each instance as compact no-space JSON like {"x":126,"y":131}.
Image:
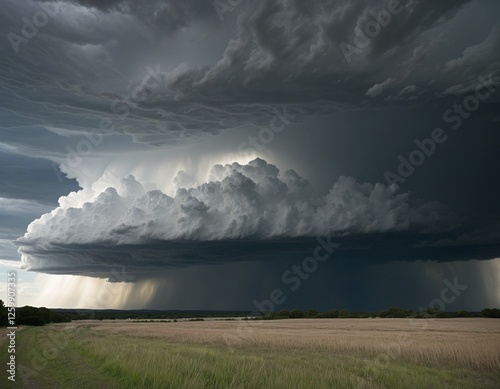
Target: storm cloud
{"x":283,"y":53}
{"x":253,"y":207}
{"x":177,"y":140}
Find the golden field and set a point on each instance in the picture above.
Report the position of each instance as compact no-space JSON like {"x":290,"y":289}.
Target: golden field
{"x":241,"y":354}
{"x":468,"y":342}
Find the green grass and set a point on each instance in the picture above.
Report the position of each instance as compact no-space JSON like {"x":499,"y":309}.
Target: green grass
{"x":47,"y":357}
{"x":59,"y":357}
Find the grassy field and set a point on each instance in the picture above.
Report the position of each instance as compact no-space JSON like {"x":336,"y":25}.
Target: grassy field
{"x":315,"y":353}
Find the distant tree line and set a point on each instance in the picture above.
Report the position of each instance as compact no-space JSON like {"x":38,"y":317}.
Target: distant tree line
{"x":32,"y":316}
{"x":491,"y":312}
{"x":393,"y":312}
{"x":39,"y":316}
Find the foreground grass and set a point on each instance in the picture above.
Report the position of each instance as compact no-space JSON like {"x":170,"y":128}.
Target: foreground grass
{"x":46,"y":357}
{"x":59,"y":356}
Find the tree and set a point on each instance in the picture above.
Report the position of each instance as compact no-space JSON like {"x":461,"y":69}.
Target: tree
{"x":329,"y":314}
{"x":430,"y":312}
{"x":491,"y":312}
{"x":296,"y":314}
{"x":396,"y":312}
{"x":3,"y":315}
{"x":312,"y":313}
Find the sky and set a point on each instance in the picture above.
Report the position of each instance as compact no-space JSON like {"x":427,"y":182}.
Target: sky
{"x":254,"y":155}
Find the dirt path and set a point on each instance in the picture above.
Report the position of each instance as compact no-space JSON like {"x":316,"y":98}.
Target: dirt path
{"x":47,"y":358}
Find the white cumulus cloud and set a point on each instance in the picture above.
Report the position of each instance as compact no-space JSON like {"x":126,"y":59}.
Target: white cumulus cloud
{"x":253,"y":201}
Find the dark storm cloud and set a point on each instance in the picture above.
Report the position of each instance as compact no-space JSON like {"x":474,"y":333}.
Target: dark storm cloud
{"x":170,"y":16}
{"x":303,"y":62}
{"x":99,"y":4}
{"x":143,"y":261}
{"x":166,"y":16}
{"x":82,"y":66}
{"x":246,"y":212}
{"x":121,"y":67}
{"x":278,"y":60}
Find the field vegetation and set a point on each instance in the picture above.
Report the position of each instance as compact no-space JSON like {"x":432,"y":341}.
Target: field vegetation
{"x":299,"y":353}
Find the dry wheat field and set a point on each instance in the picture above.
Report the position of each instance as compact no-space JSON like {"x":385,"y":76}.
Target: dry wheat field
{"x":255,"y":354}
{"x":468,"y":342}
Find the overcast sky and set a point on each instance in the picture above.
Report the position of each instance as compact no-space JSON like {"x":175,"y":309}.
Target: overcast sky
{"x":200,"y":154}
